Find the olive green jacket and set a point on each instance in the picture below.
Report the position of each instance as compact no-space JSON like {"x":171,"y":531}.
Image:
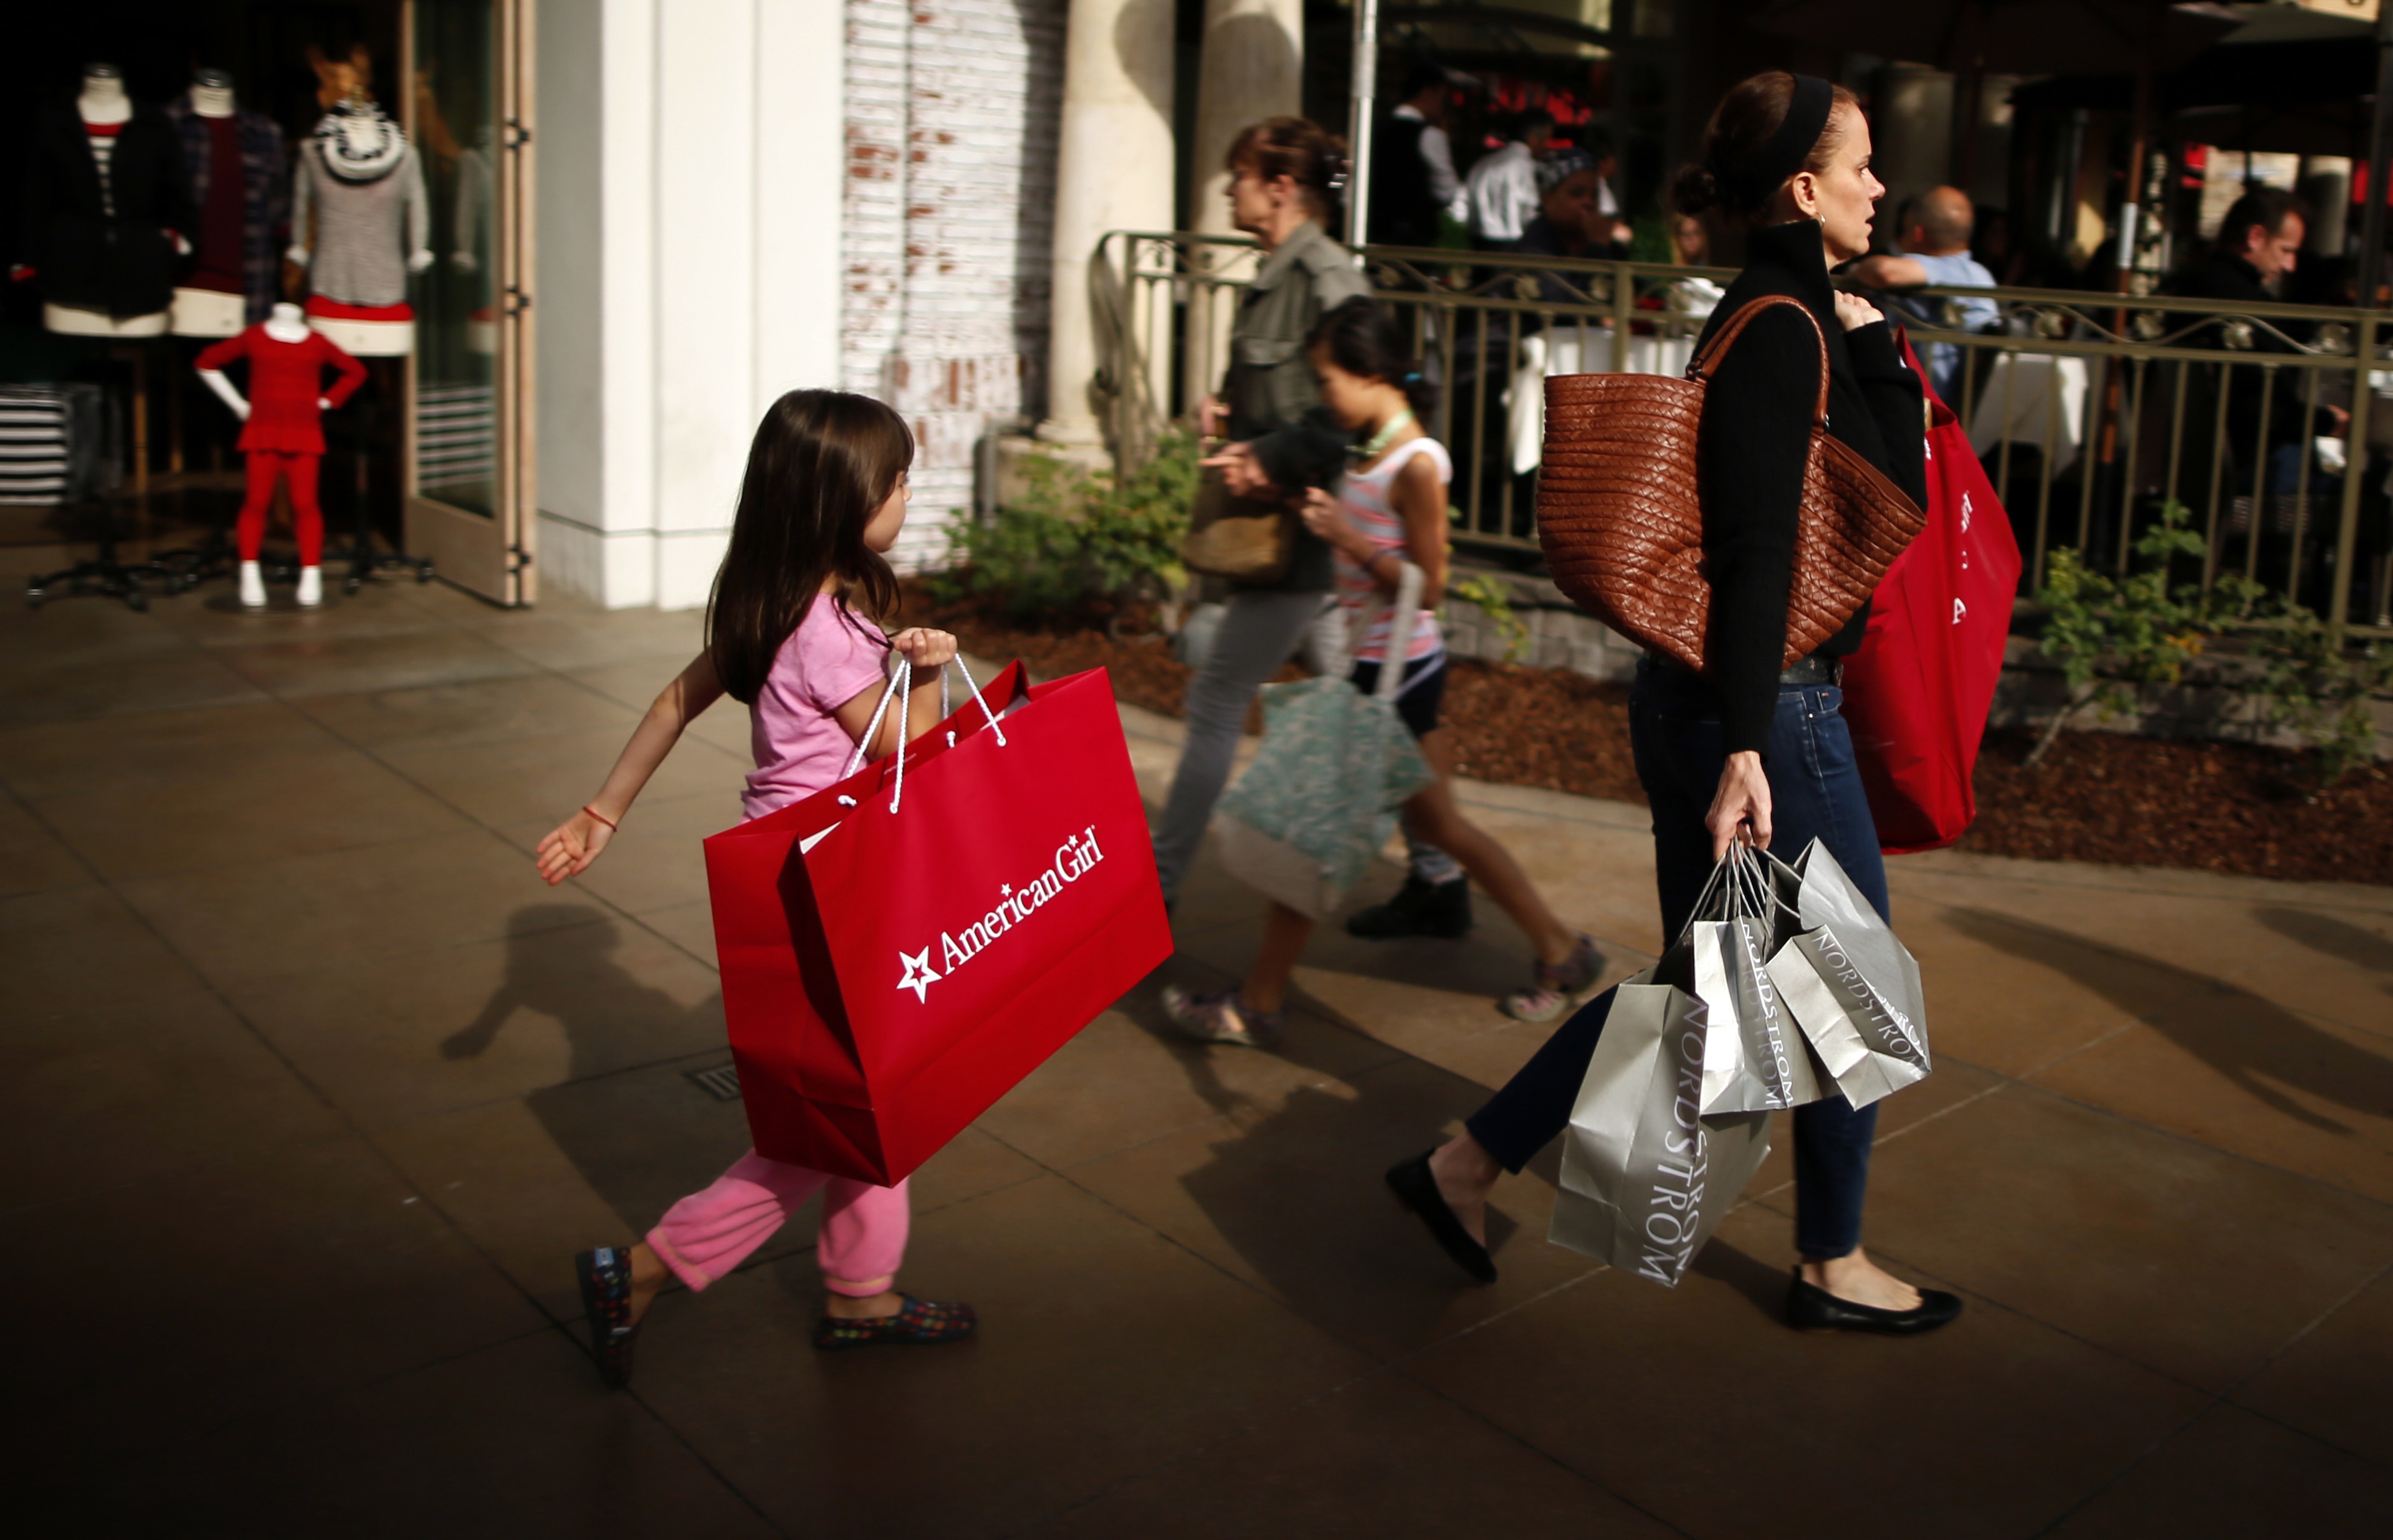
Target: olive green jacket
{"x":1274,"y":401}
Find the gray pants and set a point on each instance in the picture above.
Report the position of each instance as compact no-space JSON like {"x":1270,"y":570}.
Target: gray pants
{"x":1260,"y":632}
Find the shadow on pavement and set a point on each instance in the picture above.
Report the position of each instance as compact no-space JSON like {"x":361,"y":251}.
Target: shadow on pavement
{"x":2335,"y":937}
{"x":1763,"y":1284}
{"x":637,"y":1131}
{"x":2246,"y":1037}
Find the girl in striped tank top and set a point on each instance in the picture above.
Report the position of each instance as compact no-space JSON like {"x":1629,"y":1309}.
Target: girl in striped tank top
{"x":1390,"y":508}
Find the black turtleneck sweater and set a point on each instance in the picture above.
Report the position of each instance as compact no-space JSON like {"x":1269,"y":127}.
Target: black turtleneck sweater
{"x":1753,"y":443}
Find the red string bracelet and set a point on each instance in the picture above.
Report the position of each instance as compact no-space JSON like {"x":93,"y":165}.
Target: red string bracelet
{"x":611,"y":823}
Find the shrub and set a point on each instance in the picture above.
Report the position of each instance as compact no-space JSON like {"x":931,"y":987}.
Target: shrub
{"x":2111,"y":635}
{"x":2313,"y":686}
{"x":1495,"y":601}
{"x":1077,"y":542}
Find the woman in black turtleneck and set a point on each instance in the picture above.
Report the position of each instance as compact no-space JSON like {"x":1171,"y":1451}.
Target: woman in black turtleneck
{"x":1751,"y":747}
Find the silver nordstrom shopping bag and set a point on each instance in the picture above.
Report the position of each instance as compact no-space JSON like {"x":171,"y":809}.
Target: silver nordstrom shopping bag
{"x":1849,"y":983}
{"x":1754,"y":1057}
{"x":1646,"y":1178}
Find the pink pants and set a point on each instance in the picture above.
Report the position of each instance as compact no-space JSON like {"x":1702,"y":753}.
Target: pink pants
{"x":861,"y":1245}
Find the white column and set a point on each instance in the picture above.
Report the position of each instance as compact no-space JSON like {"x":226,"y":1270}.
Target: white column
{"x":1114,"y":172}
{"x":706,"y":206}
{"x":801,"y":130}
{"x":582,"y":500}
{"x":689,"y":205}
{"x":1252,"y":69}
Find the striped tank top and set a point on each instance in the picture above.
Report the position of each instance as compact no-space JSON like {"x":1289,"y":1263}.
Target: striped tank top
{"x":1365,"y":494}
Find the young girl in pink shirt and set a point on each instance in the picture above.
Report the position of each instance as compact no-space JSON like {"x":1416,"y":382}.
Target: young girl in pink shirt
{"x":822,"y":501}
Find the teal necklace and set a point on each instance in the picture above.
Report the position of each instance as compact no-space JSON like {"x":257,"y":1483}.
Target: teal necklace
{"x":1386,"y":436}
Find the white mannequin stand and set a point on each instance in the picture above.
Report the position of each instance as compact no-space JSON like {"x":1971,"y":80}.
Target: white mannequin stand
{"x":284,"y":323}
{"x":208,"y":312}
{"x":368,"y":339}
{"x":104,"y":101}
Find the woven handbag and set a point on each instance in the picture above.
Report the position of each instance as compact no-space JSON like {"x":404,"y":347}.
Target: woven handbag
{"x":1621,"y":518}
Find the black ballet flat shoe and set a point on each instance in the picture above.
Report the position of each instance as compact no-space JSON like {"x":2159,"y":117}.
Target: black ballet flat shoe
{"x":1417,"y":1190}
{"x":1810,"y":1308}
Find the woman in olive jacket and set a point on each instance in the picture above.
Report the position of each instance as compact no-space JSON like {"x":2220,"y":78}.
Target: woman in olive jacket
{"x":1282,"y":174}
{"x":1750,"y":751}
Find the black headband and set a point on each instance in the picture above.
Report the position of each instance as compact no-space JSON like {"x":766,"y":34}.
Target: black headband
{"x":1749,"y":185}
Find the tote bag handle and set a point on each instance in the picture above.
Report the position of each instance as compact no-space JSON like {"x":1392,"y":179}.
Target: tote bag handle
{"x":901,"y":682}
{"x":1403,"y":618}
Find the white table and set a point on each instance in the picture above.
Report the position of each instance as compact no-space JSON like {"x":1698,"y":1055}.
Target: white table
{"x":2017,"y":402}
{"x":1585,"y":347}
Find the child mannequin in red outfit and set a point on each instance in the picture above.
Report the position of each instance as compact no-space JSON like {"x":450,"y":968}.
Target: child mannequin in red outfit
{"x":283,"y":438}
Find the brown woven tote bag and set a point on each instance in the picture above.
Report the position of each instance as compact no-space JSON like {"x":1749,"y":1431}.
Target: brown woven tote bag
{"x":1623,"y":527}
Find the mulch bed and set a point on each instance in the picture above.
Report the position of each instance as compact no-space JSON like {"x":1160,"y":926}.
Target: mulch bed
{"x":2228,"y":807}
{"x":2234,"y":807}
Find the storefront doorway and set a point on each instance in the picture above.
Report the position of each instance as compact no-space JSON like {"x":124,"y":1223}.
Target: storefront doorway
{"x":468,"y":452}
{"x":434,"y":458}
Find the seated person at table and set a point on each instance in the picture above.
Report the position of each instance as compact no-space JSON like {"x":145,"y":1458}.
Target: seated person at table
{"x":1934,"y":248}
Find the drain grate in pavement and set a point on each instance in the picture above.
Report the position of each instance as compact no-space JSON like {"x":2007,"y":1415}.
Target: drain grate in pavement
{"x":722,"y":1082}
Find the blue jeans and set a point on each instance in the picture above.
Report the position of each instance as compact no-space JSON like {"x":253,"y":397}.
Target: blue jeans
{"x":1815,"y":791}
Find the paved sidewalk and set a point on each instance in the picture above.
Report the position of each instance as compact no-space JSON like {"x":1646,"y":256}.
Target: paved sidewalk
{"x":311,"y":1089}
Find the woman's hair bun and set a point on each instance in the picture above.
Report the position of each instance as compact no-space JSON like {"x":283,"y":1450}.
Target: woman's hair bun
{"x":1695,"y":190}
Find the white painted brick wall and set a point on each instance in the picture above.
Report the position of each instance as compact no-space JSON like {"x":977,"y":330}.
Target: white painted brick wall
{"x":952,"y":108}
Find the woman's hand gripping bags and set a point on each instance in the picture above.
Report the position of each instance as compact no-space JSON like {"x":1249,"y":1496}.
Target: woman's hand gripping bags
{"x":900,"y":949}
{"x":1786,"y":987}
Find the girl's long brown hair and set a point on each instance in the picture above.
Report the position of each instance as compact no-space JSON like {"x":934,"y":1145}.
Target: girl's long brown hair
{"x":822,"y":465}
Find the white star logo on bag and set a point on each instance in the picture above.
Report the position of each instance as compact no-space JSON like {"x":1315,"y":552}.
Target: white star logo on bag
{"x":920,"y":975}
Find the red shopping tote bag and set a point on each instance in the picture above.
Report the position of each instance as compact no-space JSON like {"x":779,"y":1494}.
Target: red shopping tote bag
{"x":900,"y":949}
{"x":1917,"y":692}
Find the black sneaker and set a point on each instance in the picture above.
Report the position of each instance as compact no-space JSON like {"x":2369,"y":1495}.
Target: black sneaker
{"x":1418,"y":909}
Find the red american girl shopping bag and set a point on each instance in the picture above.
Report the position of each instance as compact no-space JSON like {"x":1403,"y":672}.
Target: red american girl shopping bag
{"x":900,"y":949}
{"x":1917,"y":692}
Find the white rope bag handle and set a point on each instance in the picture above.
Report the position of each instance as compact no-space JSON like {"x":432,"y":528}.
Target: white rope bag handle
{"x":1739,"y":888}
{"x":901,"y":683}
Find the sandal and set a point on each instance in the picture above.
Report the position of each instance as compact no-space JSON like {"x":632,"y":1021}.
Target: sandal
{"x":606,"y":1278}
{"x":1219,"y":1018}
{"x":1560,"y":986}
{"x":923,"y":1321}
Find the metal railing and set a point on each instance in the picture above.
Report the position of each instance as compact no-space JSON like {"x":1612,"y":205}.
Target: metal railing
{"x":2089,"y":410}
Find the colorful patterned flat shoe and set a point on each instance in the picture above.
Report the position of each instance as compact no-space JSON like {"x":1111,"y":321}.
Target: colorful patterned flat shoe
{"x":605,"y":1277}
{"x":1560,"y":986}
{"x":1218,"y":1018}
{"x":922,"y":1321}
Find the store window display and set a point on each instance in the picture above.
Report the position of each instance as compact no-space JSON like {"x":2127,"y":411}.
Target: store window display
{"x":282,"y":436}
{"x":360,"y":220}
{"x":107,"y":216}
{"x":241,"y":184}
